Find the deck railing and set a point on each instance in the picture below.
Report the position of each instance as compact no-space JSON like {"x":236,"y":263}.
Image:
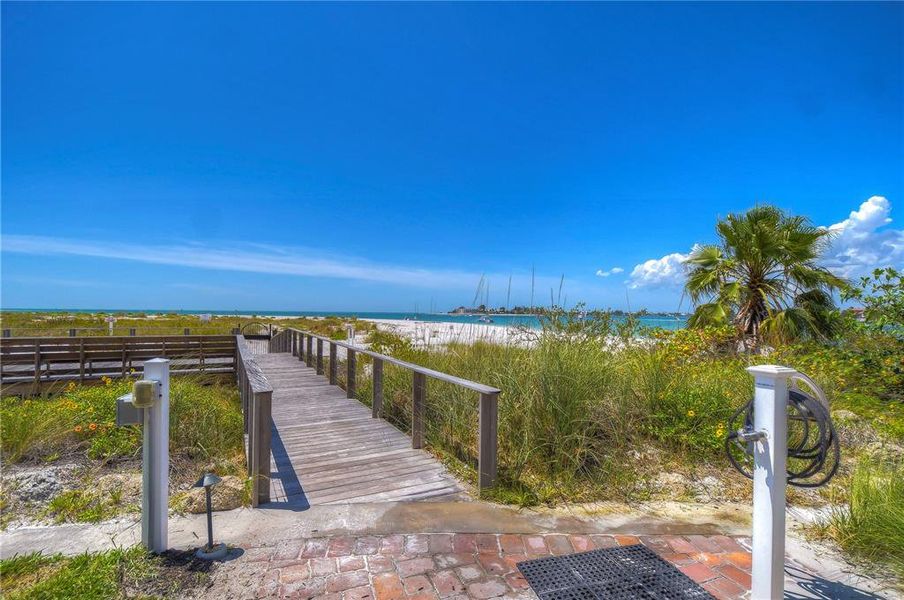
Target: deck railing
{"x":257,"y":396}
{"x":29,"y":364}
{"x":302,"y":344}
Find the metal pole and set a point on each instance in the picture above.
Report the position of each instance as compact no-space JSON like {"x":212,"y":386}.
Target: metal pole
{"x":209,"y":519}
{"x":770,"y":454}
{"x":155,"y":488}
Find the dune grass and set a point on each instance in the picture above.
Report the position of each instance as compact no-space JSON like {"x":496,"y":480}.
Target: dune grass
{"x":44,"y":324}
{"x":588,"y":415}
{"x":574,"y":410}
{"x":205,"y":423}
{"x":78,"y":427}
{"x":870,"y":526}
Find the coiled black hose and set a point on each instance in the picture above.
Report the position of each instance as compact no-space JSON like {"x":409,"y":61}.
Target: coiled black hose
{"x":813,"y":450}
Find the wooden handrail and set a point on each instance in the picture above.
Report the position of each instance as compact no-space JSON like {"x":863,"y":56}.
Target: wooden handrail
{"x":29,"y":364}
{"x":257,"y":397}
{"x":293,"y":341}
{"x":465,"y":383}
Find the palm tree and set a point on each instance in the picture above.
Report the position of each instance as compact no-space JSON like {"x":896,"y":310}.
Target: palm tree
{"x":764,"y":278}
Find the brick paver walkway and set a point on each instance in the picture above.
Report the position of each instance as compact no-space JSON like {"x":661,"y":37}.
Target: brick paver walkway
{"x":456,"y":566}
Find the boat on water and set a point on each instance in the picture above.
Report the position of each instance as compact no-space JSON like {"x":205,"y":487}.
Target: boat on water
{"x":485,"y":319}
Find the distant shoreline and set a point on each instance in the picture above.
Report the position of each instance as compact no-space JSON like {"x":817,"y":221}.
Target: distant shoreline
{"x":492,"y":320}
{"x":362,"y":314}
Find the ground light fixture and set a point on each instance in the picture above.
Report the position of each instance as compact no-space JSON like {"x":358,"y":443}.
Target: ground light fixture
{"x":210,"y":551}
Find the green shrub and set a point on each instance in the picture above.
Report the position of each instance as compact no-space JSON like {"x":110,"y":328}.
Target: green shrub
{"x":690,"y":409}
{"x":83,"y":505}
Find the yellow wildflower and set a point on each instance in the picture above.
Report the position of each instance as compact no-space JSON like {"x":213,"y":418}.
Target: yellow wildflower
{"x":78,"y":429}
{"x":691,"y":413}
{"x":93,"y":426}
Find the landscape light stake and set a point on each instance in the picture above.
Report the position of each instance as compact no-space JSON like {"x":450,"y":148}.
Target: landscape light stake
{"x":210,"y":552}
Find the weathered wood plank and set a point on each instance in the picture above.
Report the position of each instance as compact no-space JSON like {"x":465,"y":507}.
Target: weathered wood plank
{"x":327,"y":448}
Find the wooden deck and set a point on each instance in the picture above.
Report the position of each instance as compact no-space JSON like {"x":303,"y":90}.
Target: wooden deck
{"x":327,"y":449}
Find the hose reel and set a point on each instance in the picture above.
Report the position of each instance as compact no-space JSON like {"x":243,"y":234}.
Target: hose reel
{"x":813,"y":450}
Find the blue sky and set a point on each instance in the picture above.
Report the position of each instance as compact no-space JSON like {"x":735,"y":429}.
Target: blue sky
{"x":378,"y":156}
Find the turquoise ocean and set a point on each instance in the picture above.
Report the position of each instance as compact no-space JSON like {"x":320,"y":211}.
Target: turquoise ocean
{"x":652,"y":320}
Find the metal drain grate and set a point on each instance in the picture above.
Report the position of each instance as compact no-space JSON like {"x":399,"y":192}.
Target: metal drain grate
{"x":627,"y":572}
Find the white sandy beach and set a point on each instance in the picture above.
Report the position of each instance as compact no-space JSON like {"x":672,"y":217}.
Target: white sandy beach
{"x":430,"y":333}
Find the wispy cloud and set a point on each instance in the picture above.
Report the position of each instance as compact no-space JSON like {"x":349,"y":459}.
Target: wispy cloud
{"x":56,"y":281}
{"x":253,"y":258}
{"x":612,"y":271}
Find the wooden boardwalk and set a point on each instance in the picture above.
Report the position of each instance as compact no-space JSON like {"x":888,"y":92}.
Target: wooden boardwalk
{"x":327,"y":449}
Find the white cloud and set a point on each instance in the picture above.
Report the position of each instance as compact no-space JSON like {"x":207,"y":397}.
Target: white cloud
{"x":862,"y":242}
{"x":612,"y":271}
{"x":258,"y":258}
{"x":660,"y":272}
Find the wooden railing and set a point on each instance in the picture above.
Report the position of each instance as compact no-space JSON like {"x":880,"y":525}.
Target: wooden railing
{"x":257,"y":396}
{"x":51,"y":331}
{"x":301,"y":343}
{"x":27,"y":365}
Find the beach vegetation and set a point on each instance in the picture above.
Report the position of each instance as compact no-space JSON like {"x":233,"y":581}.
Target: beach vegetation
{"x":586,"y":416}
{"x":59,"y":324}
{"x":76,"y":428}
{"x":764,"y":278}
{"x":110,"y":575}
{"x":869,"y":524}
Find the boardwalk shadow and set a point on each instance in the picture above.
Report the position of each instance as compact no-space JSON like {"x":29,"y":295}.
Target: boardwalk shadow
{"x":813,"y":587}
{"x":292,"y":496}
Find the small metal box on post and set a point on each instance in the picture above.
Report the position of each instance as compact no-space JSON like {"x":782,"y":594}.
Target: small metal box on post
{"x":148,"y":404}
